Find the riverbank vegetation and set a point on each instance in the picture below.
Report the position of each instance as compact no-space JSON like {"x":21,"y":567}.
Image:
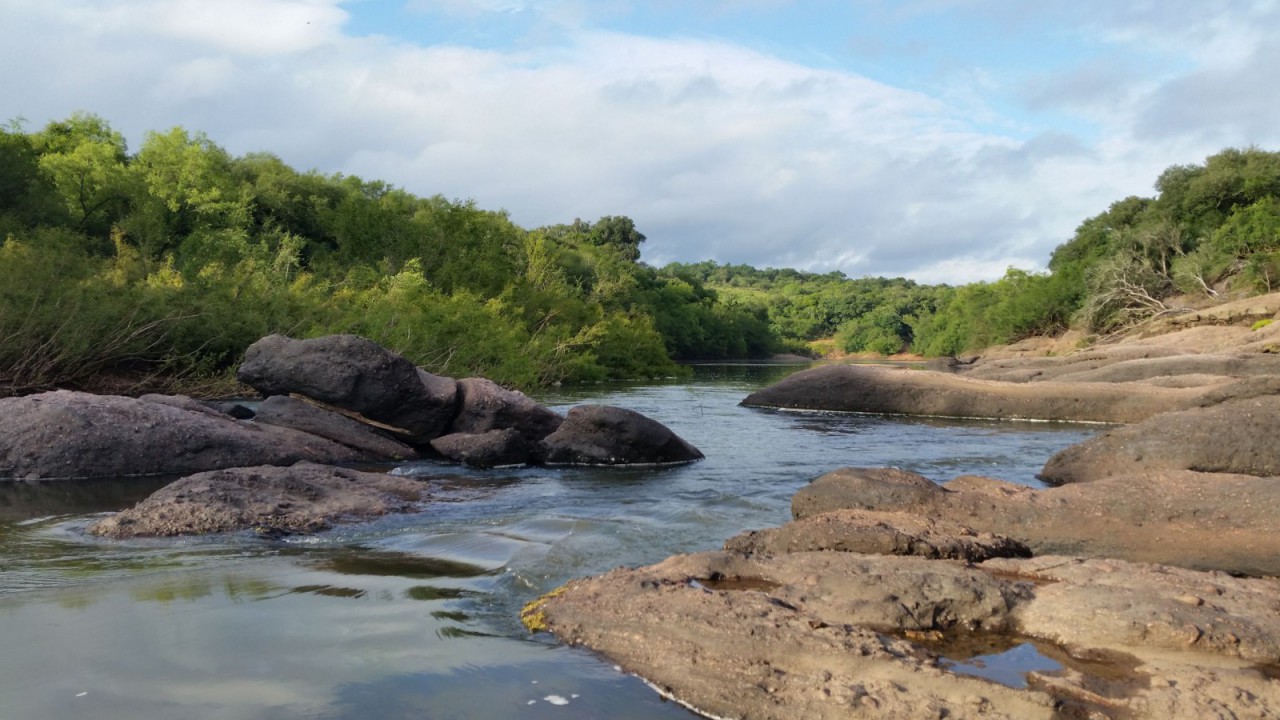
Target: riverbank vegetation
{"x":166,"y":263}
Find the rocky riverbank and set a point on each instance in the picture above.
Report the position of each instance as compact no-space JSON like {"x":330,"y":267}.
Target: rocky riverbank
{"x":329,"y":402}
{"x":1148,"y":574}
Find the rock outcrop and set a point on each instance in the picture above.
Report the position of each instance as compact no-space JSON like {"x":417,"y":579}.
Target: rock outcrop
{"x":290,"y":412}
{"x":485,"y":405}
{"x":839,"y":635}
{"x":1236,"y":436}
{"x":606,"y":435}
{"x":303,"y":498}
{"x":65,"y":434}
{"x":495,"y":448}
{"x":355,"y":374}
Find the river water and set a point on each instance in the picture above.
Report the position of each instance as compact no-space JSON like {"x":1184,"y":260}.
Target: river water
{"x":416,"y":616}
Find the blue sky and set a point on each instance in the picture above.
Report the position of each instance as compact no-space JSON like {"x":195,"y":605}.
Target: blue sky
{"x":942,"y":140}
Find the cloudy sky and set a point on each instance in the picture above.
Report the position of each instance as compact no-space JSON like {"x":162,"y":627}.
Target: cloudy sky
{"x":938,"y":140}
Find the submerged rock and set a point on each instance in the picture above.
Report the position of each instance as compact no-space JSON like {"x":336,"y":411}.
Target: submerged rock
{"x":65,"y":434}
{"x":1238,"y":436}
{"x":354,"y":374}
{"x":303,"y":498}
{"x":606,"y":435}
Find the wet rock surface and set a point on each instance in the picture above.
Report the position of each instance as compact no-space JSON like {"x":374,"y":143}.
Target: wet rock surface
{"x":607,"y":435}
{"x":355,"y":374}
{"x":494,"y":448}
{"x":65,"y":434}
{"x":303,"y":498}
{"x":485,"y":405}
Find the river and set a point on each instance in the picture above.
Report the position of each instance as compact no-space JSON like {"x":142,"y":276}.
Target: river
{"x":415,"y":616}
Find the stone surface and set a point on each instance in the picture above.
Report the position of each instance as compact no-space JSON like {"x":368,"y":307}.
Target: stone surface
{"x":606,"y":435}
{"x":791,"y":636}
{"x":65,"y":434}
{"x":1236,"y":436}
{"x":303,"y":498}
{"x":879,"y":533}
{"x":485,"y":405}
{"x":300,"y":415}
{"x":1206,"y":521}
{"x":900,"y":391}
{"x":355,"y":374}
{"x":485,"y":450}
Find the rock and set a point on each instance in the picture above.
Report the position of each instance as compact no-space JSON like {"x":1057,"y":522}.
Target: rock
{"x":1144,"y":370}
{"x":300,"y":415}
{"x":65,"y":434}
{"x":485,"y":450}
{"x":899,"y":391}
{"x":485,"y":405}
{"x":185,"y":403}
{"x":303,"y":498}
{"x":879,"y":533}
{"x":606,"y":435}
{"x":354,"y":374}
{"x":1205,"y":521}
{"x":1237,"y":436}
{"x":793,"y":635}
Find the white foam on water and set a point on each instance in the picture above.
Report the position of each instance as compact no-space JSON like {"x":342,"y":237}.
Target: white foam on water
{"x":556,"y":700}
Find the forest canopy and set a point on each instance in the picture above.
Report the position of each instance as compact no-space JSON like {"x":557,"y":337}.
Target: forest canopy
{"x":169,"y":261}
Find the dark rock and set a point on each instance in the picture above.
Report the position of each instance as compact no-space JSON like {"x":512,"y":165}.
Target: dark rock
{"x":300,"y":415}
{"x":606,"y":435}
{"x":485,"y":450}
{"x":485,"y":405}
{"x":1237,"y":436}
{"x":303,"y":498}
{"x":64,"y":434}
{"x":185,"y":403}
{"x":354,"y":374}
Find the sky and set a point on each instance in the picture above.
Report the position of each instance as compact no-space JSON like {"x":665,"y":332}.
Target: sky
{"x":939,"y":140}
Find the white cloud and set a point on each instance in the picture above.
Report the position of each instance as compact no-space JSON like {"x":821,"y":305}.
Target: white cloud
{"x":716,"y":150}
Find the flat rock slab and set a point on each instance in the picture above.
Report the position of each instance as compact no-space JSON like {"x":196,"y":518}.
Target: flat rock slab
{"x":879,"y":533}
{"x":303,"y":498}
{"x":794,"y":636}
{"x":1204,"y":521}
{"x":901,"y":391}
{"x":65,"y":434}
{"x":1236,"y":436}
{"x":607,"y":435}
{"x":355,"y":374}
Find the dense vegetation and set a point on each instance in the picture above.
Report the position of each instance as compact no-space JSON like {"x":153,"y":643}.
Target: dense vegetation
{"x":169,"y":261}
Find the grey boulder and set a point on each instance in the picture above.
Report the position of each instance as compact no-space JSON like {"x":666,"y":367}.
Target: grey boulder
{"x":607,"y":435}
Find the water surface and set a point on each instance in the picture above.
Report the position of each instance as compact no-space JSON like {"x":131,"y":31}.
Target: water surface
{"x":415,"y":616}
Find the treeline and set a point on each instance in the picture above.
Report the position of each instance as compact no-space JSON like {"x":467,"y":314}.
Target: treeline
{"x":170,"y":261}
{"x":1213,"y":229}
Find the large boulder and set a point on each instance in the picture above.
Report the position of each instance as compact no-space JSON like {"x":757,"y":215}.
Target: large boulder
{"x":354,"y":374}
{"x":484,"y":405}
{"x":800,"y":635}
{"x":65,"y":434}
{"x":1237,"y":436}
{"x":607,"y":435}
{"x":303,"y":498}
{"x":1203,"y":521}
{"x":290,"y":412}
{"x":496,"y":448}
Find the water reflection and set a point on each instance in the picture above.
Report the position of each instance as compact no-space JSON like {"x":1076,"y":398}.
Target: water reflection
{"x":417,"y":615}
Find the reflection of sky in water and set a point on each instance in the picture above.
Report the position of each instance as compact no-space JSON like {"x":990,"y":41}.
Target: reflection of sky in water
{"x":416,"y":615}
{"x":1007,"y":668}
